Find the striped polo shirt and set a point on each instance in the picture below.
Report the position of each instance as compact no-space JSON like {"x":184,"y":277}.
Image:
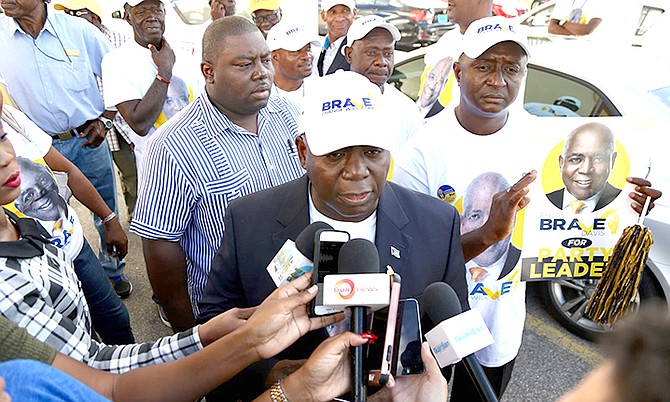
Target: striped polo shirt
{"x":197,"y":163}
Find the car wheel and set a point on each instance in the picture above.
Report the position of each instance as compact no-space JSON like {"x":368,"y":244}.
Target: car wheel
{"x":566,"y":300}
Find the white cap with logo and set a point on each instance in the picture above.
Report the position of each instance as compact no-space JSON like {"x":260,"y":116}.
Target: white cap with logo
{"x":289,"y":36}
{"x":345,"y":109}
{"x":328,"y":4}
{"x":362,"y":26}
{"x":487,"y":32}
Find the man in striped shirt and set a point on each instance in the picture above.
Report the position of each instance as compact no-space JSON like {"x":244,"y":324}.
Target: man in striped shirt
{"x":233,"y":140}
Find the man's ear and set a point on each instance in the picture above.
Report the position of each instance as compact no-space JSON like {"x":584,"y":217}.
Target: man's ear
{"x":457,"y":72}
{"x":274,"y":56}
{"x":126,"y":15}
{"x":323,"y":16}
{"x":347,"y":53}
{"x":561,"y":161}
{"x":207,"y":71}
{"x":613,"y":160}
{"x":301,"y":145}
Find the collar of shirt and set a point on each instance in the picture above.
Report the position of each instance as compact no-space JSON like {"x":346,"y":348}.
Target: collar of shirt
{"x":11,"y":26}
{"x":493,"y":270}
{"x":219,"y":122}
{"x":590,"y":203}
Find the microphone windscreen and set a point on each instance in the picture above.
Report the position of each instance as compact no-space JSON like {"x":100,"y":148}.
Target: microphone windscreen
{"x":358,"y":256}
{"x":440,"y":302}
{"x":305,"y":240}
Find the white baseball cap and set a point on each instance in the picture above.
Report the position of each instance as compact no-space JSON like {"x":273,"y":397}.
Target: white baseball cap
{"x":289,"y":36}
{"x":328,"y":4}
{"x":362,"y":26}
{"x":485,"y":33}
{"x":345,"y":109}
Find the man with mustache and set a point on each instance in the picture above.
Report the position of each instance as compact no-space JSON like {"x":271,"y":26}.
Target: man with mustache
{"x":292,"y":59}
{"x":232,"y":140}
{"x":370,"y":50}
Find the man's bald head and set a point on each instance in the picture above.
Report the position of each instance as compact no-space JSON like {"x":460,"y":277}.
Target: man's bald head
{"x":215,"y":36}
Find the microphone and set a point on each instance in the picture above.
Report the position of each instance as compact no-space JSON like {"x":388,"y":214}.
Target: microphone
{"x":360,"y":287}
{"x":295,"y":258}
{"x":457,"y":335}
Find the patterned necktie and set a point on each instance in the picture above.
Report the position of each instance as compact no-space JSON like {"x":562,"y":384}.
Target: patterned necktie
{"x":478,"y":273}
{"x":577,"y":206}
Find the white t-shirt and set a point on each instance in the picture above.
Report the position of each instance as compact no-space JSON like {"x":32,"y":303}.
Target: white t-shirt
{"x":582,"y":11}
{"x":65,"y":229}
{"x":298,"y":95}
{"x":401,"y":108}
{"x":441,"y":160}
{"x":127,"y":74}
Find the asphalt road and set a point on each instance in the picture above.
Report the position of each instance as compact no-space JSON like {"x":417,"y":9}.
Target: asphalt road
{"x":551,"y":360}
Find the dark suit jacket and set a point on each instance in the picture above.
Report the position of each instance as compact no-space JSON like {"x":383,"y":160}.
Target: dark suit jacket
{"x":339,"y":62}
{"x":425,"y":230}
{"x":609,"y":194}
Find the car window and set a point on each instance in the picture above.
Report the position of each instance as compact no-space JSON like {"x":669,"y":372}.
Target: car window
{"x":663,"y":94}
{"x":407,"y":77}
{"x":192,"y":12}
{"x":551,"y":93}
{"x":541,"y":18}
{"x":648,"y":17}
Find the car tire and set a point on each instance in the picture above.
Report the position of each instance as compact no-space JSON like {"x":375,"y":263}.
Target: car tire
{"x":566,"y":300}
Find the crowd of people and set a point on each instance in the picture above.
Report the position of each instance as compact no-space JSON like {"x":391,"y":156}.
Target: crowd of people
{"x":218,"y":174}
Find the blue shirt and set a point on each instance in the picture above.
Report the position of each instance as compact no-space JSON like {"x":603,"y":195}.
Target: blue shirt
{"x":52,"y":78}
{"x":197,"y":163}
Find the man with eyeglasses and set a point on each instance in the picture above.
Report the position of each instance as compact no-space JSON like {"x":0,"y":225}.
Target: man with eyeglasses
{"x":52,"y":77}
{"x":265,"y":14}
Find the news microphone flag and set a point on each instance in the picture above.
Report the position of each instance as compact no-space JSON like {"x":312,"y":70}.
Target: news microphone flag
{"x":291,"y":260}
{"x":459,"y":336}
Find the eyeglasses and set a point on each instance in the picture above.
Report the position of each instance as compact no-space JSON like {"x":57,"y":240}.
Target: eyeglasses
{"x":271,"y":18}
{"x":77,"y":13}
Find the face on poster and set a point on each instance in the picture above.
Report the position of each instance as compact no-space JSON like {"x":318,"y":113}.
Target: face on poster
{"x":580,"y":203}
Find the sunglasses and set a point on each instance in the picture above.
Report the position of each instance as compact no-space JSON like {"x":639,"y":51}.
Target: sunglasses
{"x":274,"y":17}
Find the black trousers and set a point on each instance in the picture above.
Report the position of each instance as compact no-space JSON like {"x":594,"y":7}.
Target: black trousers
{"x":464,"y":389}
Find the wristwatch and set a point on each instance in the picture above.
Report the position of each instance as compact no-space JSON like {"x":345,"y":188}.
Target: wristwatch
{"x":107,"y":122}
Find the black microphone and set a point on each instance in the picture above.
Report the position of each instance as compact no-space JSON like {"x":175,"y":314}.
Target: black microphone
{"x":295,"y":258}
{"x":358,"y":256}
{"x":440,"y":303}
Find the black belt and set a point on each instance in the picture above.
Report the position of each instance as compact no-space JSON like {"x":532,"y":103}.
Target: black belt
{"x":72,"y":133}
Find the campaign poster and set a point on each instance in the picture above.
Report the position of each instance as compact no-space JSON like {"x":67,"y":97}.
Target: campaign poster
{"x":580,"y":201}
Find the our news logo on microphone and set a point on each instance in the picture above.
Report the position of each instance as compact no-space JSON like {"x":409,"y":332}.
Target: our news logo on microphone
{"x":345,"y":289}
{"x":368,"y":290}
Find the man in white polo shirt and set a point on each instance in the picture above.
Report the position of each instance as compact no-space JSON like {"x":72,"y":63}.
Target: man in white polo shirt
{"x":292,"y":59}
{"x":370,"y":51}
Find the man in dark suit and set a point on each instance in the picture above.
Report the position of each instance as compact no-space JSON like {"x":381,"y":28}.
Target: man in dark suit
{"x":588,"y":157}
{"x":338,"y":16}
{"x":344,"y":151}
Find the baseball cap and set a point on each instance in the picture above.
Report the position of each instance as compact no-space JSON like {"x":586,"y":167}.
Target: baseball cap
{"x":91,"y":5}
{"x":263,"y":5}
{"x":134,"y":3}
{"x":345,"y":109}
{"x":289,"y":36}
{"x":362,"y":26}
{"x":485,"y":33}
{"x":328,"y":4}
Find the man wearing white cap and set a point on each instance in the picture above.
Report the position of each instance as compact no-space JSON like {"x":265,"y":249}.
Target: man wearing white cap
{"x":292,"y":59}
{"x":370,"y":50}
{"x":343,"y":146}
{"x":338,"y":16}
{"x":475,"y":135}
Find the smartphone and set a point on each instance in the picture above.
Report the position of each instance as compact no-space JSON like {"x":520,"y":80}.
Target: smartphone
{"x":380,"y":377}
{"x":406,"y":352}
{"x":327,"y":244}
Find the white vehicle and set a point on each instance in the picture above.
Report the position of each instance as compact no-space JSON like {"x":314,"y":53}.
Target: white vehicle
{"x":632,"y":83}
{"x":627,"y":22}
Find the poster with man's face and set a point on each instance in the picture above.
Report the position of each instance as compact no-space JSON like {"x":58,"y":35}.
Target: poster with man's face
{"x":579,"y":202}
